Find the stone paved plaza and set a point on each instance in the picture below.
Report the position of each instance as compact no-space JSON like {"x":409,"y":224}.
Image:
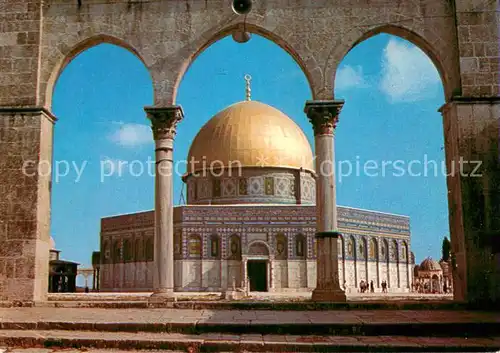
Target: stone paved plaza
{"x":186,"y":316}
{"x":251,"y":330}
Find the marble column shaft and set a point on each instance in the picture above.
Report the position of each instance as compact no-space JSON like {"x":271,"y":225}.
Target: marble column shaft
{"x":163,"y":123}
{"x":323,"y":115}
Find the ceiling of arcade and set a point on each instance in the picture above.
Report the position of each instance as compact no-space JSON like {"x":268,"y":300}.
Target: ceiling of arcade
{"x":168,"y":34}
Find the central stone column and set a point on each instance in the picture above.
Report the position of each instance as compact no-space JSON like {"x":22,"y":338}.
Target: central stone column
{"x":323,"y":115}
{"x":163,"y":123}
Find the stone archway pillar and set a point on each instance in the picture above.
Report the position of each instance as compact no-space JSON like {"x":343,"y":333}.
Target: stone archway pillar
{"x":163,"y":122}
{"x":472,"y":146}
{"x":26,"y":159}
{"x":323,"y":115}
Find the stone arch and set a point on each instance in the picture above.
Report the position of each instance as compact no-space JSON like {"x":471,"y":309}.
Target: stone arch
{"x":68,"y":53}
{"x":445,"y":73}
{"x":190,"y":54}
{"x":259,"y":248}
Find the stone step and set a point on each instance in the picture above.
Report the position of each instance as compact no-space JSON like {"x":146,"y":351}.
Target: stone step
{"x":249,"y":305}
{"x":341,"y":322}
{"x":143,"y":303}
{"x":447,"y":329}
{"x":218,"y":342}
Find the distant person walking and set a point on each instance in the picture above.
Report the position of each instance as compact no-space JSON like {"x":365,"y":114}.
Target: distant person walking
{"x":372,"y":289}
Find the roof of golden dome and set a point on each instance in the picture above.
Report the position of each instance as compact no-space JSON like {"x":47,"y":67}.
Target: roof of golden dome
{"x":250,"y":134}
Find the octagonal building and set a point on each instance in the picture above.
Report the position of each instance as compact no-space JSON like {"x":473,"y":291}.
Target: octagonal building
{"x":250,"y":218}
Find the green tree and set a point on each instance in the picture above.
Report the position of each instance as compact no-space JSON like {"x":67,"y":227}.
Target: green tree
{"x":446,"y":249}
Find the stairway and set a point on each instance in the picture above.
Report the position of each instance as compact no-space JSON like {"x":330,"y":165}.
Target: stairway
{"x":250,"y":331}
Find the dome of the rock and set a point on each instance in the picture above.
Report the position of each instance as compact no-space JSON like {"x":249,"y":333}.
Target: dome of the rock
{"x":250,"y":134}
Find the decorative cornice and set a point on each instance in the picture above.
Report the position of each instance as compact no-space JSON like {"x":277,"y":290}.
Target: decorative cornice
{"x":164,"y":121}
{"x":324,"y":115}
{"x":469,"y":100}
{"x":28,"y":111}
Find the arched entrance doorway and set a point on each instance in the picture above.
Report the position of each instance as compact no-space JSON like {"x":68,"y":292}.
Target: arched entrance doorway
{"x":258,"y":268}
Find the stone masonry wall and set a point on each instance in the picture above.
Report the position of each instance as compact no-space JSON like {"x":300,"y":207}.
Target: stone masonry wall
{"x":20,"y":35}
{"x":478,"y":37}
{"x":25,"y":137}
{"x":38,"y":38}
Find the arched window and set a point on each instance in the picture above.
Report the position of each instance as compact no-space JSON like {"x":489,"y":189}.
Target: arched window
{"x":127,"y":250}
{"x":385,"y":249}
{"x":404,"y":251}
{"x":178,"y":244}
{"x":139,"y":250}
{"x":234,"y":247}
{"x":194,"y":247}
{"x":281,"y":247}
{"x":117,"y":251}
{"x":394,"y":250}
{"x":351,"y":247}
{"x":373,"y":249}
{"x":362,"y":248}
{"x":215,"y":246}
{"x":149,"y":249}
{"x":300,"y":245}
{"x":107,"y":252}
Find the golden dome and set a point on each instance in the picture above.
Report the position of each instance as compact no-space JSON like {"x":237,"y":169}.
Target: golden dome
{"x":253,"y":134}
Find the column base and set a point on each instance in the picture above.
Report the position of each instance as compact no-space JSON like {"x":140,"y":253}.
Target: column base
{"x":328,"y":295}
{"x":233,"y":295}
{"x":163,"y":296}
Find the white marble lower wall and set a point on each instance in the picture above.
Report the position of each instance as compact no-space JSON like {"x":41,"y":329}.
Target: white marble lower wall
{"x":394,"y":279}
{"x":351,"y":277}
{"x":287,"y":275}
{"x":373,"y":274}
{"x":105,"y":280}
{"x":211,"y":275}
{"x":191,"y":275}
{"x":280,"y":274}
{"x":396,"y":276}
{"x":311,"y":274}
{"x":234,"y":274}
{"x":127,"y":277}
{"x":341,"y":273}
{"x":297,"y":274}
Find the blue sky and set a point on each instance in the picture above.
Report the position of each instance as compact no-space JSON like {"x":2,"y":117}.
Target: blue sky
{"x":392,"y":93}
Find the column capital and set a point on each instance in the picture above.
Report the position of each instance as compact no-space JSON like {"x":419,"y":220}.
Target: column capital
{"x":323,"y":115}
{"x":164,"y":120}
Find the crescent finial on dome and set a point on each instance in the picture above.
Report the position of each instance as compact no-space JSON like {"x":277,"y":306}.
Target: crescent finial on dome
{"x":248,"y":79}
